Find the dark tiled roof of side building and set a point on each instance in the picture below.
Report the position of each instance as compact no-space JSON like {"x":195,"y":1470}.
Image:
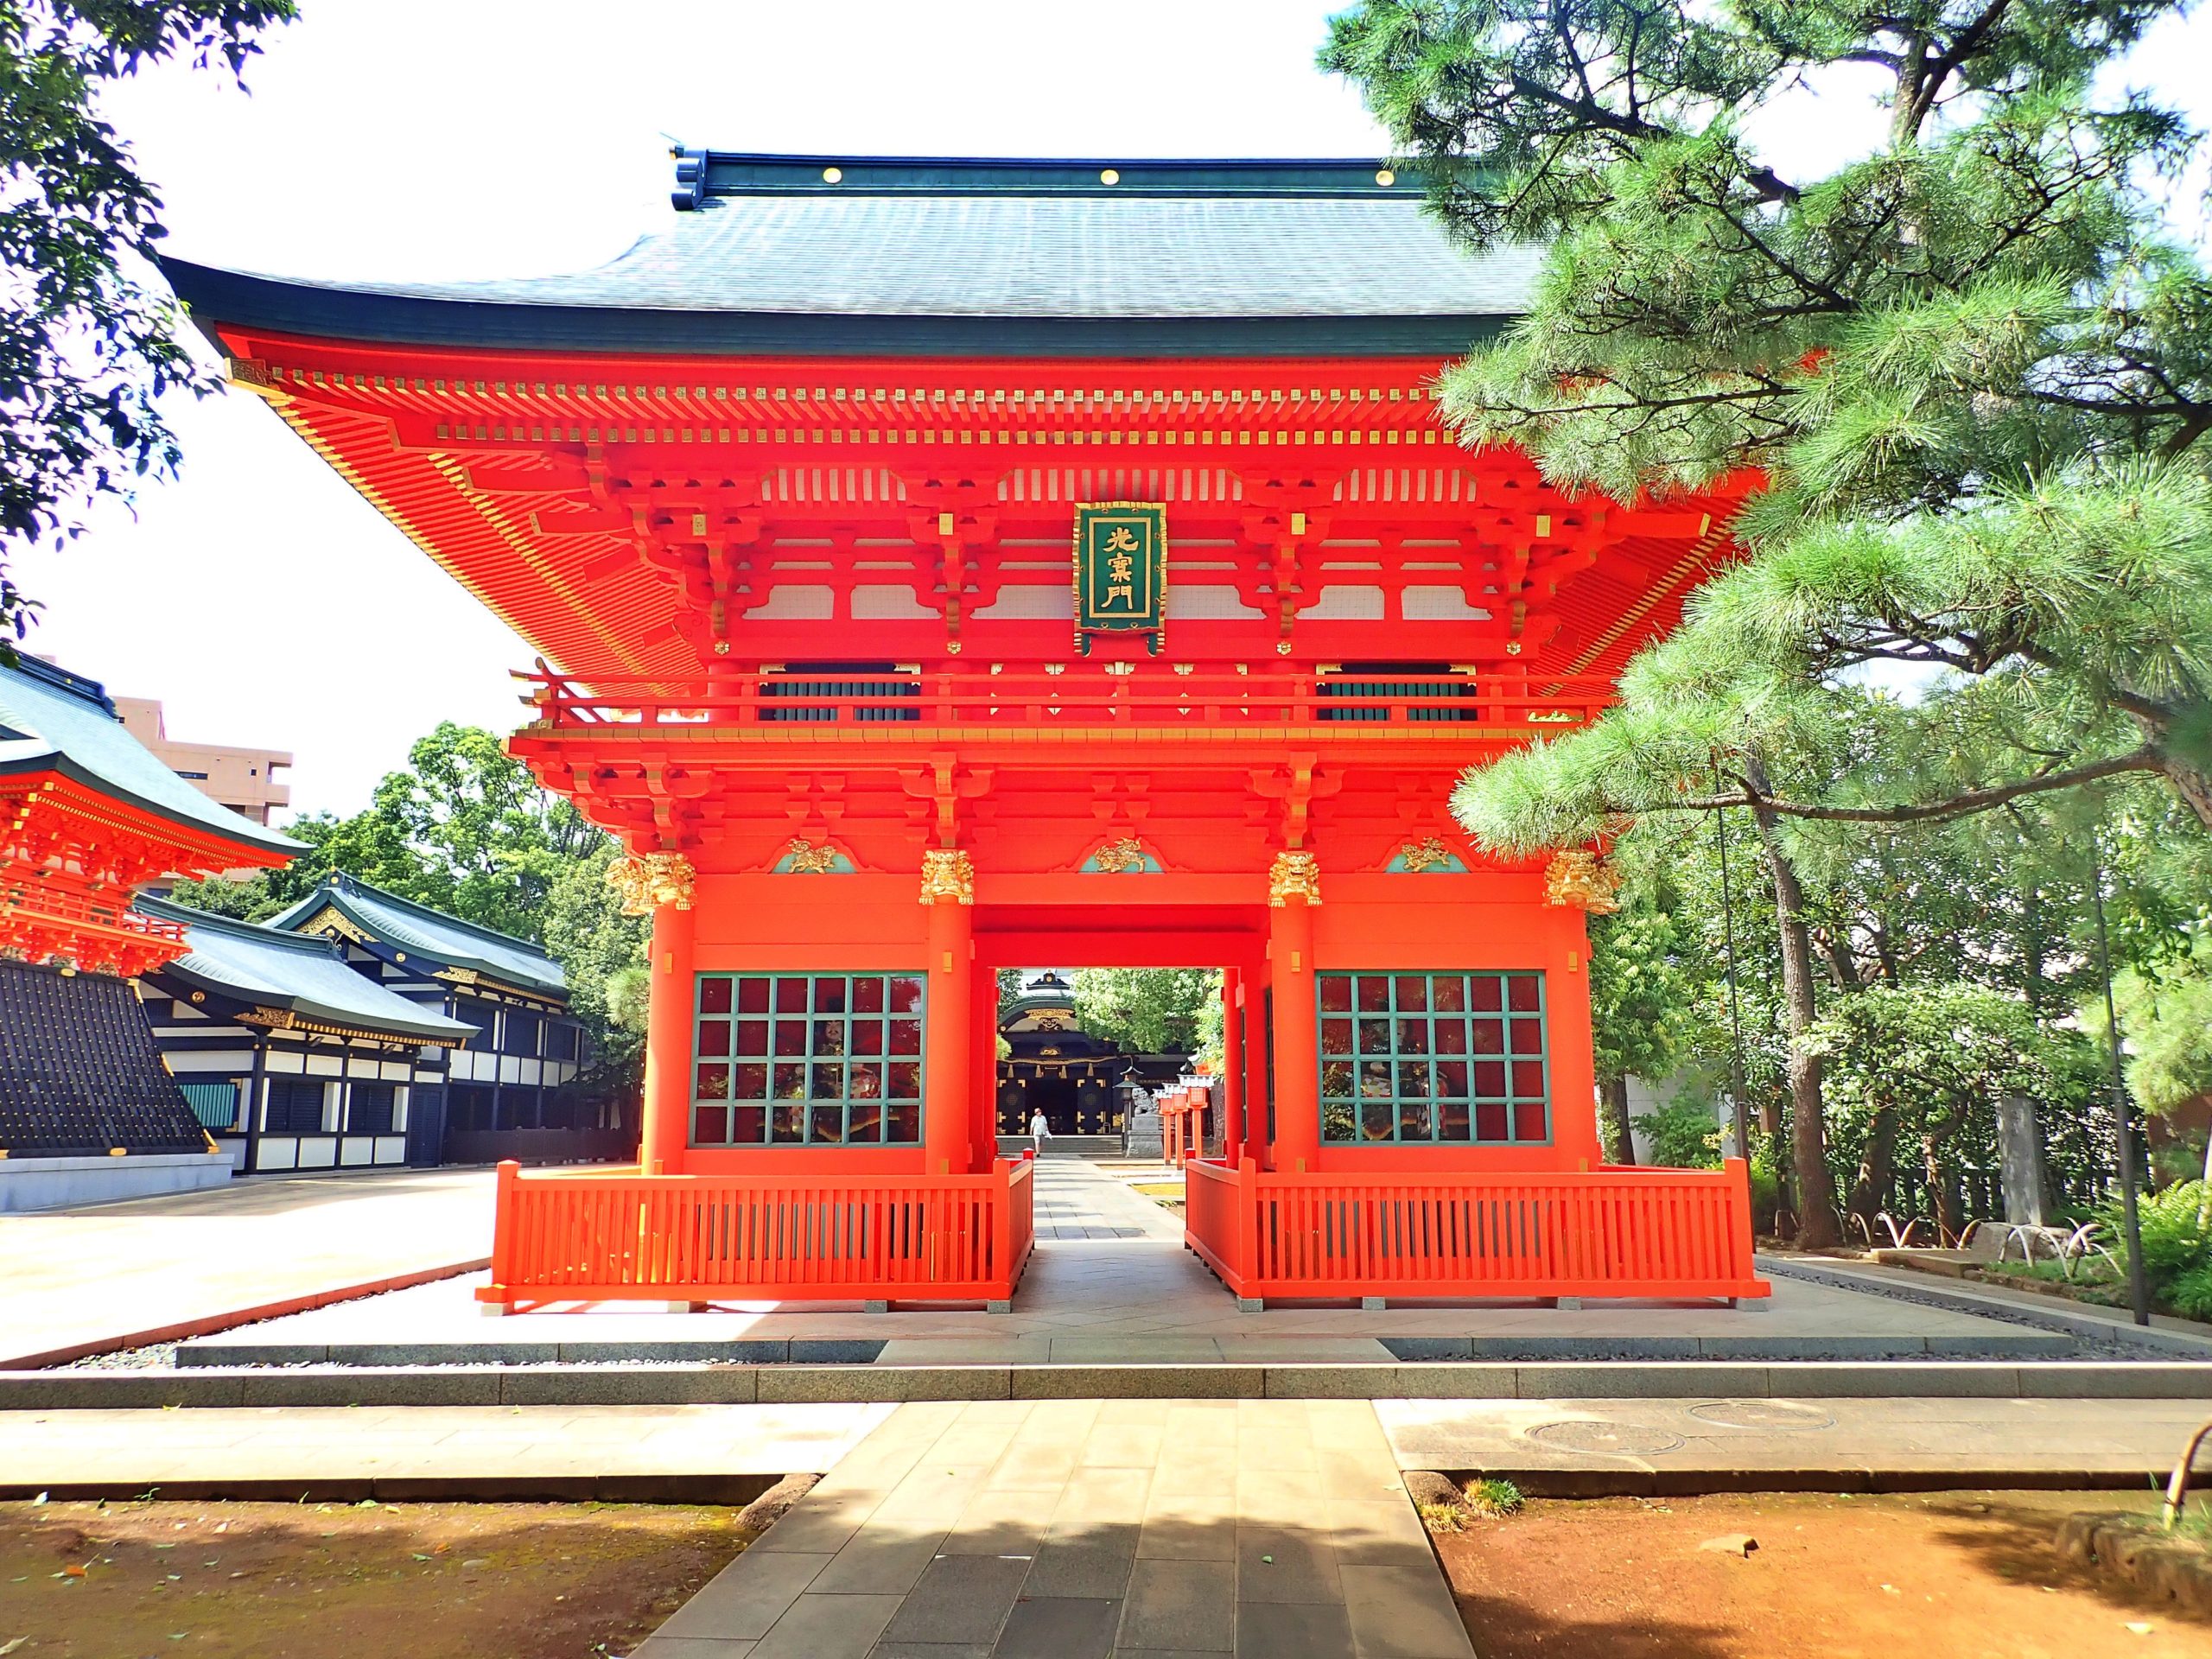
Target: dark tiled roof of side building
{"x":302,"y":974}
{"x":426,"y":933}
{"x":988,"y":257}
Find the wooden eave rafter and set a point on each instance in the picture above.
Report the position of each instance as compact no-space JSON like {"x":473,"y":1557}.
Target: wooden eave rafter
{"x":628,"y":514}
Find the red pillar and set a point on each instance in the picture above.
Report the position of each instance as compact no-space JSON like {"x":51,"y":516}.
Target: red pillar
{"x":1293,"y":888}
{"x":1232,"y":1063}
{"x":949,"y":889}
{"x":667,"y":1128}
{"x":982,"y":1083}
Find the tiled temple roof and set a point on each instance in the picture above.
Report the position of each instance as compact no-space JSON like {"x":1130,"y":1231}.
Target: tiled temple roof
{"x":422,"y":933}
{"x":52,"y":720}
{"x":301,"y":975}
{"x":986,"y":257}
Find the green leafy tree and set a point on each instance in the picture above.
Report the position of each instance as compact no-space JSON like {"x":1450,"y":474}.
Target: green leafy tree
{"x":1642,"y":1009}
{"x":1148,"y":1010}
{"x":1925,"y":1066}
{"x":86,"y":349}
{"x":600,"y":951}
{"x":1968,"y":368}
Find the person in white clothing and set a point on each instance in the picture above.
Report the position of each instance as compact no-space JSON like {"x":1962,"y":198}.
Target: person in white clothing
{"x":1039,"y":1131}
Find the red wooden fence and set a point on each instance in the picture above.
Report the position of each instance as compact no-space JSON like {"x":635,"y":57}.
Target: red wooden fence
{"x":1610,"y":1232}
{"x":561,"y":1237}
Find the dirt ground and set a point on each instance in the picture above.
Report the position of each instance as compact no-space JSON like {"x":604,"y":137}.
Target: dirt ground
{"x":306,"y":1581}
{"x":1950,"y":1575}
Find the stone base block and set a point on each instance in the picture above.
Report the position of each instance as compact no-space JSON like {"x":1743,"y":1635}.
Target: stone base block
{"x":60,"y":1183}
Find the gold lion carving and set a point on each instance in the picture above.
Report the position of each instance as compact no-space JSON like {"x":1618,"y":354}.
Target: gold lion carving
{"x":948,"y":876}
{"x":648,"y":880}
{"x":1295,"y":875}
{"x":1578,"y":878}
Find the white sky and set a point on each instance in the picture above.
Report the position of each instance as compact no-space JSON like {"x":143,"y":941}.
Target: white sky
{"x":266,"y":604}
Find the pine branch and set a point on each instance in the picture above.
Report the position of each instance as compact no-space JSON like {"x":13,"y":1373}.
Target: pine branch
{"x":1965,"y":805}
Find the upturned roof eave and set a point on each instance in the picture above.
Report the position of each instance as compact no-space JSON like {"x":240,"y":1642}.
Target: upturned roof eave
{"x":219,"y":299}
{"x":52,"y":758}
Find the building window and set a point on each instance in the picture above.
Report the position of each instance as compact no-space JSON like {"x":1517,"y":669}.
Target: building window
{"x":368,"y":1110}
{"x":469,"y":1107}
{"x":294,"y":1106}
{"x":521,"y":1035}
{"x":799,"y":1059}
{"x":215,"y":1104}
{"x":1429,"y":1059}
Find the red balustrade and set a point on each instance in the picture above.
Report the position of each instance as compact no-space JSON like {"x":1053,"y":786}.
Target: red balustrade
{"x":1150,"y":695}
{"x":600,"y":1236}
{"x":1668,"y":1233}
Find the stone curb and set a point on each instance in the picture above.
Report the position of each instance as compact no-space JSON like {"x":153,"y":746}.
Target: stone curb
{"x":461,"y":1385}
{"x":1963,"y":1297}
{"x":208,"y":1323}
{"x":2135,"y":1548}
{"x":731,"y":1489}
{"x":219,"y":1356}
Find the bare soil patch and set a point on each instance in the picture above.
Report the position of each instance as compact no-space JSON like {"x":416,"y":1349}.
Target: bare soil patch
{"x":1948,"y":1575}
{"x":304,"y":1581}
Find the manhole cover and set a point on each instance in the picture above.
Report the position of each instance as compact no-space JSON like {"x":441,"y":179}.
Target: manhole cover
{"x":1616,"y":1439}
{"x":1762,"y":1414}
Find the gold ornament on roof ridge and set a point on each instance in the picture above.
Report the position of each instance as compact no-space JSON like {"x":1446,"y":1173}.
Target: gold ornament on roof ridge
{"x":1577,"y":878}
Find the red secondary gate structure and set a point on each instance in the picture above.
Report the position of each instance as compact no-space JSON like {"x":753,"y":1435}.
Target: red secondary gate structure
{"x":945,"y":565}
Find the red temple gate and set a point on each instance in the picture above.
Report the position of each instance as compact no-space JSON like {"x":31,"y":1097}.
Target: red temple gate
{"x":898,"y":646}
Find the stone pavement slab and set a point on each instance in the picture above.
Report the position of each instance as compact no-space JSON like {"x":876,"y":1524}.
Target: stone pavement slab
{"x":1570,"y":1446}
{"x":1253,"y":1527}
{"x":74,"y":1281}
{"x":550,"y":1451}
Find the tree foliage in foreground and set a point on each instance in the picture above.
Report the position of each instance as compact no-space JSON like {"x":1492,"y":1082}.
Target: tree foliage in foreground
{"x":1970,"y":368}
{"x":86,"y":350}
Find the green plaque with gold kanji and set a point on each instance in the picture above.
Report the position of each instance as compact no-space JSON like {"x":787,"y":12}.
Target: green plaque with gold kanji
{"x":1121,"y":570}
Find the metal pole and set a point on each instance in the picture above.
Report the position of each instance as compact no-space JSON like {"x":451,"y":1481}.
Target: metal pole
{"x":2138,"y":1289}
{"x":1742,"y":1109}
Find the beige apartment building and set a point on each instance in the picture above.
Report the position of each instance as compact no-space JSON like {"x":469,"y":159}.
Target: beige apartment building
{"x":246,"y":780}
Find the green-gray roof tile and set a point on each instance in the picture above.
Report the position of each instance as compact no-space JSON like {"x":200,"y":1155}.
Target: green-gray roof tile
{"x":304,"y":974}
{"x":422,"y":932}
{"x":50,"y":718}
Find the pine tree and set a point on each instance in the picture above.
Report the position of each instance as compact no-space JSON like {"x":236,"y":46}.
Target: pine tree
{"x":1969,"y":369}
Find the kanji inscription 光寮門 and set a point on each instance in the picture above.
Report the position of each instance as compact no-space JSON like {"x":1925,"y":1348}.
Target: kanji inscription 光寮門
{"x":1121,"y":570}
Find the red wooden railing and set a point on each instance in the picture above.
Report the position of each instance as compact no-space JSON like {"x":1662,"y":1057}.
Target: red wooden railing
{"x":59,"y":913}
{"x":560,"y":1237}
{"x":1669,"y":1233}
{"x":1119,"y":694}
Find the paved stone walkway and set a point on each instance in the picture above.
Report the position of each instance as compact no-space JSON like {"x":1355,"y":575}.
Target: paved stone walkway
{"x":2042,"y":1442}
{"x":325,"y":1446}
{"x":1075,"y":1530}
{"x":72,"y":1279}
{"x":1116,"y":1285}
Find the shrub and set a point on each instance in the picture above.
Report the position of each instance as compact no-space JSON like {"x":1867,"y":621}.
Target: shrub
{"x":2176,"y":1237}
{"x":1684,"y":1134}
{"x":1494,"y":1497}
{"x":2190,"y":1293}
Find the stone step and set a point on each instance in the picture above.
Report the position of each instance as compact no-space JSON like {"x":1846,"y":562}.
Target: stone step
{"x":1064,"y":1146}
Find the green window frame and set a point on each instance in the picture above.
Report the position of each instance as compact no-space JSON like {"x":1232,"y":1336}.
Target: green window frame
{"x":1413,"y":1058}
{"x":807,"y":1059}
